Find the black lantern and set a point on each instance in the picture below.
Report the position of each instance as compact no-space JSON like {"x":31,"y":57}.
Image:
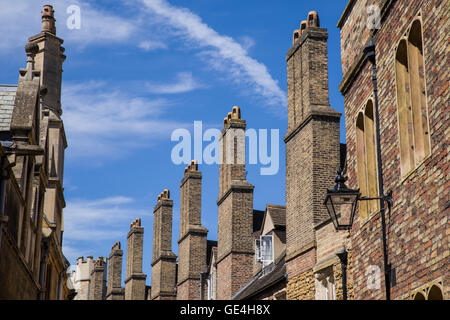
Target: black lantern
{"x":341,"y":203}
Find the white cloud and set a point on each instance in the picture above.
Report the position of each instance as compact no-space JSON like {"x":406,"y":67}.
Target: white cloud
{"x":91,"y":225}
{"x":22,"y":18}
{"x":246,"y":42}
{"x":102,"y":120}
{"x":149,"y":45}
{"x":163,"y":20}
{"x":99,"y":219}
{"x":185,"y":82}
{"x":231,"y":54}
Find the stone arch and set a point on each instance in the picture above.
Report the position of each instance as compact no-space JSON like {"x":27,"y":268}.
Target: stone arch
{"x":361,"y":164}
{"x":413,"y":125}
{"x":366,"y":158}
{"x":418,"y":92}
{"x":371,"y":156}
{"x":435,"y":293}
{"x":404,"y":114}
{"x":419,"y":296}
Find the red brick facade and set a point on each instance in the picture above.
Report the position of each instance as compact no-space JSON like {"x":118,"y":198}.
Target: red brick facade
{"x":417,"y":227}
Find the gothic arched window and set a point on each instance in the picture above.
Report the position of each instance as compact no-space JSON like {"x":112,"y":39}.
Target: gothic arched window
{"x":411,"y":100}
{"x":367,"y":168}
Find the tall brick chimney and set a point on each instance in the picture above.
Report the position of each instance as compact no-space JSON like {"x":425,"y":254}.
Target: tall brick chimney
{"x":235,"y":241}
{"x":192,"y":241}
{"x":97,"y":285}
{"x":312,"y":147}
{"x":115,"y":290}
{"x":164,"y":260}
{"x":135,"y":279}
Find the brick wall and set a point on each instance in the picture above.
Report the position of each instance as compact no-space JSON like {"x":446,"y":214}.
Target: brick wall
{"x":164,"y":260}
{"x":114,"y":290}
{"x":135,"y":279}
{"x":192,"y":241}
{"x":312,"y":154}
{"x":417,"y":227}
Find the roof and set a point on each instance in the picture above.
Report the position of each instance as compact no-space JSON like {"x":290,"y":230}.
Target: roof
{"x":266,"y":278}
{"x":7,"y":98}
{"x":278,"y":215}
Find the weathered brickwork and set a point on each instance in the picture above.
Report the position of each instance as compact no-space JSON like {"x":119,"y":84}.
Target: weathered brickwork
{"x":115,"y":290}
{"x":97,"y":284}
{"x":189,"y":290}
{"x":192,"y":241}
{"x":337,"y":273}
{"x":312,"y":153}
{"x":235,"y":229}
{"x":164,"y":260}
{"x":417,"y":227}
{"x":232,"y":273}
{"x":135,"y":279}
{"x":353,"y":25}
{"x":301,"y":287}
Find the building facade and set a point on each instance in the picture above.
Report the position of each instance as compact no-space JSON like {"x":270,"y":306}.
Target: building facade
{"x":411,"y":59}
{"x":292,"y":251}
{"x":33,"y":142}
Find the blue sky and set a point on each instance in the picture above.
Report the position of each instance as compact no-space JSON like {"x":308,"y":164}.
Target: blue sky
{"x":138,"y":69}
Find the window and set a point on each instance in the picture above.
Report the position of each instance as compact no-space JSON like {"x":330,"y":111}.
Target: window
{"x":366,"y":155}
{"x":211,"y":282}
{"x":325,"y":287}
{"x":257,"y":250}
{"x":264,"y":250}
{"x":411,"y":100}
{"x":430,"y":291}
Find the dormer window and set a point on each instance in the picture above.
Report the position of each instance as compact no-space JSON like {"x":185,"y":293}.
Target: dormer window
{"x":264,"y":250}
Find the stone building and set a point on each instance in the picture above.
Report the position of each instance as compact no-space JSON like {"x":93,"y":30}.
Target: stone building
{"x":33,"y":142}
{"x":410,"y":45}
{"x":81,"y":277}
{"x":101,"y":279}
